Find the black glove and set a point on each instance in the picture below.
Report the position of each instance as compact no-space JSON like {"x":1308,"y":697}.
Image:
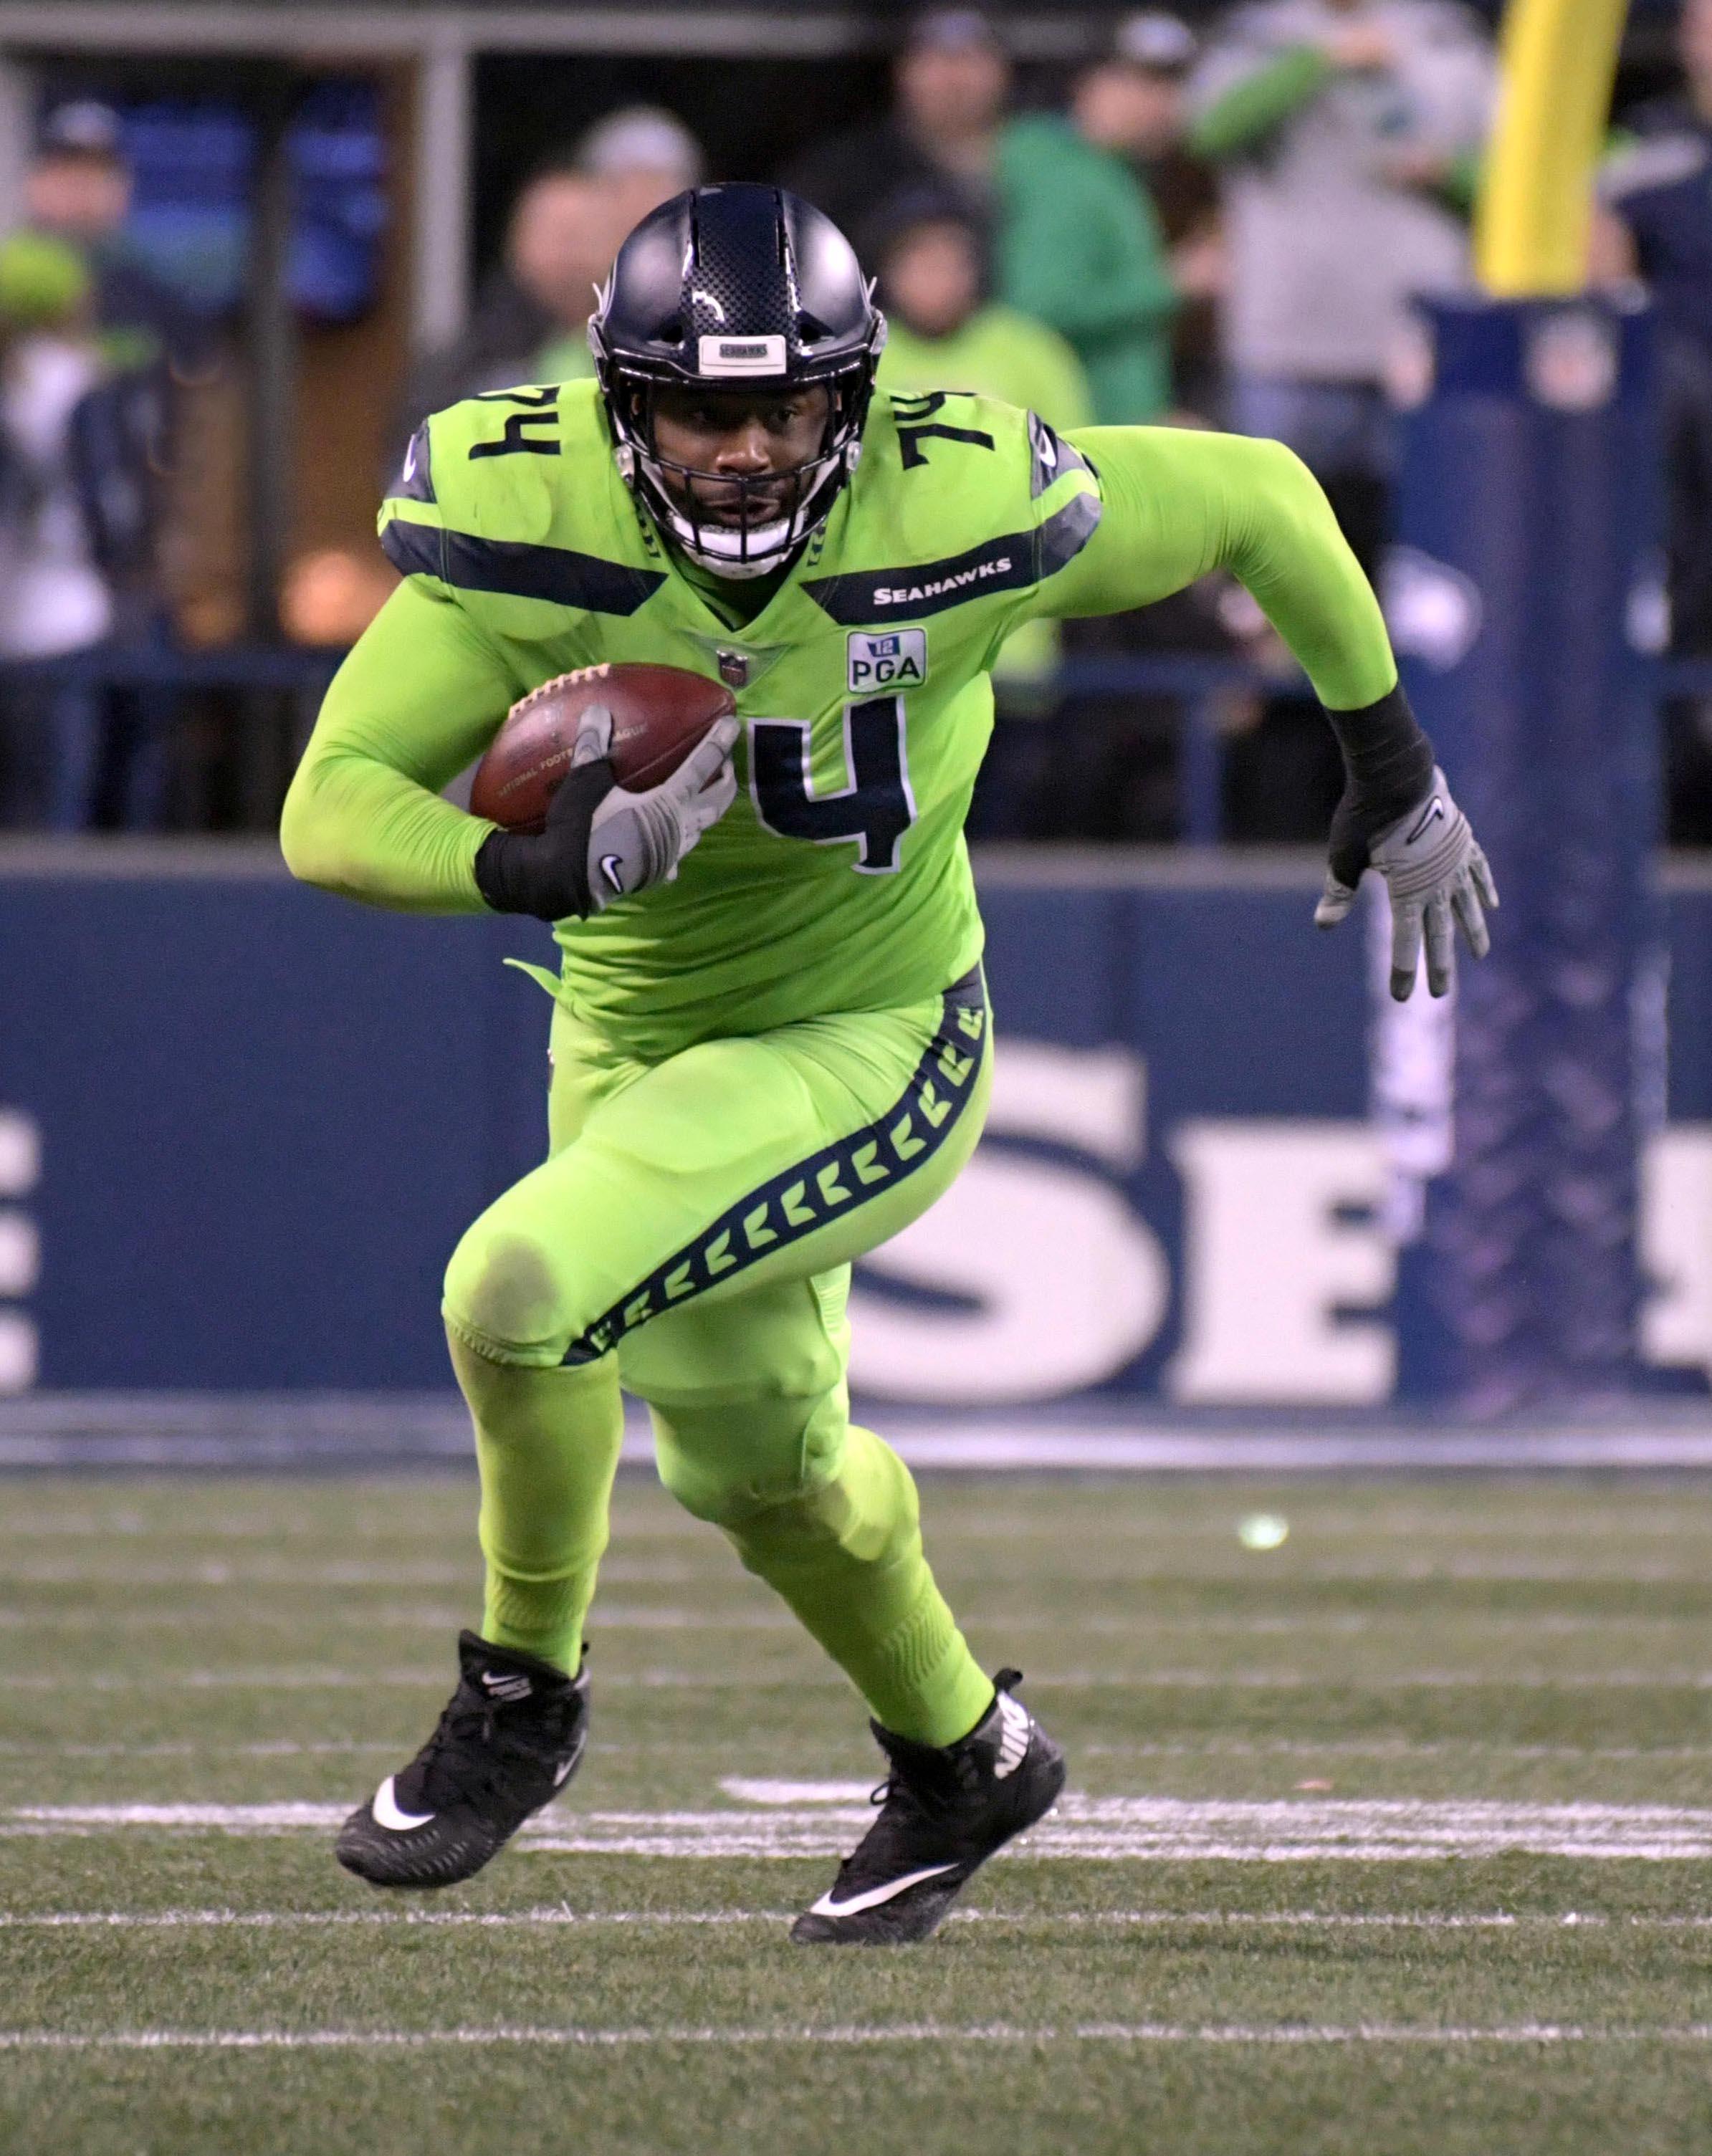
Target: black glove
{"x":1397,"y":818}
{"x":546,"y":873}
{"x":601,"y":842}
{"x":1388,"y":766}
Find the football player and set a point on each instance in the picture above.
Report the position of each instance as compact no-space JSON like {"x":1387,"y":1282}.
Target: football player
{"x":771,"y":1044}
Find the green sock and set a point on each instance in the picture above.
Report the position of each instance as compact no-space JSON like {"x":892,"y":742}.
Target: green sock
{"x":847,"y":1558}
{"x":547,"y":1442}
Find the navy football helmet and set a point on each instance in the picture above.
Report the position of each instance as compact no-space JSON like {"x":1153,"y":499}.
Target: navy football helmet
{"x":737,"y":287}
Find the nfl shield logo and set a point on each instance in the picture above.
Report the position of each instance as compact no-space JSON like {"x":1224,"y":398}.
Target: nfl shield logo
{"x":734,"y":669}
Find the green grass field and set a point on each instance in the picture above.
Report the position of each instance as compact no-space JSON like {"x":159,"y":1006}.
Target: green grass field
{"x":1396,"y":1839}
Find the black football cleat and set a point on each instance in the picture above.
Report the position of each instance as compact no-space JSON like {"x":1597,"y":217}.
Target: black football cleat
{"x":943,"y":1813}
{"x":509,"y":1740}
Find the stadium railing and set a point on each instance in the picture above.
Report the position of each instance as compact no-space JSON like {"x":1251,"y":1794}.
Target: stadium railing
{"x":1204,"y":686}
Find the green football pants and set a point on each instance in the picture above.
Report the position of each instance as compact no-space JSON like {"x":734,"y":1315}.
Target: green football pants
{"x":691,"y":1233}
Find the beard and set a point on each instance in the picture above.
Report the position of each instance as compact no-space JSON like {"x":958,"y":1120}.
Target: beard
{"x":729,"y":507}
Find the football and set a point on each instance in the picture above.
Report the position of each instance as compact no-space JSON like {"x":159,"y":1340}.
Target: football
{"x":658,"y":714}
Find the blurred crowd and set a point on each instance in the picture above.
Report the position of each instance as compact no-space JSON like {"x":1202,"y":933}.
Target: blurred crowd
{"x":1214,"y":225}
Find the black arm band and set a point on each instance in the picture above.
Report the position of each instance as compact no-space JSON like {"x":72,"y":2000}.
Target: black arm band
{"x":546,"y":873}
{"x":1389,"y":763}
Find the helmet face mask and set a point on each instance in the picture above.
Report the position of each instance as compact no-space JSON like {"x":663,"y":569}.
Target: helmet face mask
{"x":746,"y":291}
{"x":740,"y":524}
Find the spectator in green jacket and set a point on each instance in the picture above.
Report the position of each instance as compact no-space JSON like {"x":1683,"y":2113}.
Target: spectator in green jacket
{"x":1081,"y":248}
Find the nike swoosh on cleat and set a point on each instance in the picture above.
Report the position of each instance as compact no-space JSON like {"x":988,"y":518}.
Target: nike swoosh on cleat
{"x":826,"y":1906}
{"x":610,"y":864}
{"x":387,"y":1814}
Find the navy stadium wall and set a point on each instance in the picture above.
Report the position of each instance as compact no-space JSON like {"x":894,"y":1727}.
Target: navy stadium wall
{"x":242,"y":1124}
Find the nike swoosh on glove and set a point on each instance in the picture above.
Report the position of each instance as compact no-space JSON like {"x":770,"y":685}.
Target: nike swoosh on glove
{"x":1437,"y":875}
{"x":601,"y":841}
{"x":635,"y":839}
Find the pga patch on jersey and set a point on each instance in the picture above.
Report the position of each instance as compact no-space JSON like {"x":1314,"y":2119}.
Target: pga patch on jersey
{"x":896,"y":659}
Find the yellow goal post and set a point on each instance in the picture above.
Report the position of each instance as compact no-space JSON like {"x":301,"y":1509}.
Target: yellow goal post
{"x":1531,"y":220}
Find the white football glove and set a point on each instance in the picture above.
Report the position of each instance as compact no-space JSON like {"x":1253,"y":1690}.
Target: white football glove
{"x":1436,"y":874}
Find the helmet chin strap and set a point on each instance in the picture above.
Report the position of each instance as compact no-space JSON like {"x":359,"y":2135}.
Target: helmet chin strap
{"x":773,"y":542}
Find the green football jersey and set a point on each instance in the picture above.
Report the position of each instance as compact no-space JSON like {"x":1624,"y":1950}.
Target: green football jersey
{"x":839,"y":880}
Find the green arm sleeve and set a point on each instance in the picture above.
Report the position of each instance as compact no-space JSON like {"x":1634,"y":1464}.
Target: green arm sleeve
{"x":419,"y":698}
{"x":1178,"y":504}
{"x":1251,"y":109}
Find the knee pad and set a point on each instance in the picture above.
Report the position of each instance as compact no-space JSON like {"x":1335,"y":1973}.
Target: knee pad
{"x":797,"y":1489}
{"x":507,"y":1297}
{"x":731,"y":1463}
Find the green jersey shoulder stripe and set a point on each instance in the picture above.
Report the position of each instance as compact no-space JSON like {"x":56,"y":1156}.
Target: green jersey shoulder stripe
{"x":557,"y":574}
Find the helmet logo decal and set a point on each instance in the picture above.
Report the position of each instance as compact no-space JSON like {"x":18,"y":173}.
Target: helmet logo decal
{"x":742,"y":355}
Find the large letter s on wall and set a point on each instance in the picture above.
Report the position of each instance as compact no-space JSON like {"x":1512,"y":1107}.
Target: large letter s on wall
{"x":1058,"y":1285}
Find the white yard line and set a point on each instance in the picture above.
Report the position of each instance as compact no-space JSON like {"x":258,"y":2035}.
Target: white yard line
{"x":1140,"y":1625}
{"x":380,"y":1680}
{"x":1212,"y":1748}
{"x":1330,"y":1680}
{"x":1221,"y":1747}
{"x":168,"y":1920}
{"x":172,"y":1920}
{"x":613,"y":1617}
{"x":196,"y":1573}
{"x":1527,"y":2033}
{"x":334,"y":1747}
{"x":814,"y":1677}
{"x":282,"y":1750}
{"x":1108,"y":1828}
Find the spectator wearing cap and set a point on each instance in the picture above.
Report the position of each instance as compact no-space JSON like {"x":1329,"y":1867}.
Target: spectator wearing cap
{"x":1338,"y":125}
{"x":634,"y":159}
{"x":951,"y":84}
{"x":78,"y":190}
{"x":1081,"y":246}
{"x":644,"y":155}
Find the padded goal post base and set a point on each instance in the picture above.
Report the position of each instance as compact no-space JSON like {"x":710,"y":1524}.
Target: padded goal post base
{"x":1526,"y":598}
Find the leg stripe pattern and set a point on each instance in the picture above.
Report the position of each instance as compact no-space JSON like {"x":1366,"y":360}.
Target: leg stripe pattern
{"x":813,"y":1192}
